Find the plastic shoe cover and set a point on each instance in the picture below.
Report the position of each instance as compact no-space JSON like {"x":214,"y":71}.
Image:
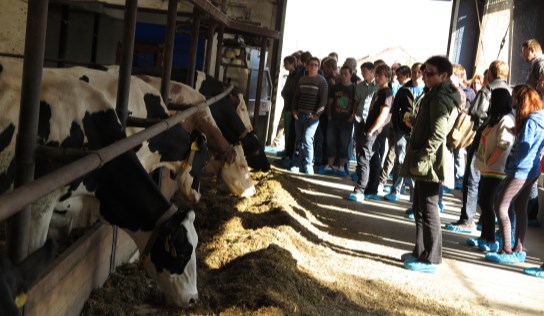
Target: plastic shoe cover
{"x":488,"y":246}
{"x":403,"y":190}
{"x":309,"y":170}
{"x":474,"y":242}
{"x":295,"y":169}
{"x":461,"y":228}
{"x":536,"y":272}
{"x":506,"y":258}
{"x":479,"y":227}
{"x":391,"y":197}
{"x":419,"y":266}
{"x":446,"y":190}
{"x":356,"y":196}
{"x":341,"y":173}
{"x":372,"y":197}
{"x":408,"y":256}
{"x":387,"y":189}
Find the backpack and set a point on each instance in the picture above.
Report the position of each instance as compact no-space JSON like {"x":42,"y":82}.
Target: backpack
{"x":462,"y":134}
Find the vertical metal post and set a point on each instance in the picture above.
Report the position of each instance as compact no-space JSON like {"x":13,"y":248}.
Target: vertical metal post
{"x":262,"y":61}
{"x":194,"y":48}
{"x":125,"y":68}
{"x":209,"y":46}
{"x":63,"y":37}
{"x":168,"y":48}
{"x":219,"y":51}
{"x":96,"y":30}
{"x":36,"y":25}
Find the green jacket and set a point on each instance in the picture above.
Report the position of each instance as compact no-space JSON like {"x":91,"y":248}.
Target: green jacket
{"x":427,"y":157}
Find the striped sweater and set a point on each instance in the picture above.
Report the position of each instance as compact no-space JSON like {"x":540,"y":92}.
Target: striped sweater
{"x":311,"y":95}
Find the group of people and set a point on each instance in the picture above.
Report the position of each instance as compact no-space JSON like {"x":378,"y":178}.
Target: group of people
{"x":416,"y":110}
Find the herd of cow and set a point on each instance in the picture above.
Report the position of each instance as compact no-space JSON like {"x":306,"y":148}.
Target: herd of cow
{"x":77,"y":110}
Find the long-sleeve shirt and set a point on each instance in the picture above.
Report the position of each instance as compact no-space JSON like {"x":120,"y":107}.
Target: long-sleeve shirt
{"x":311,"y":95}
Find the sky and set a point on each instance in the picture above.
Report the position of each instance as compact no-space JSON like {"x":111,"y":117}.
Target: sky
{"x":357,"y":28}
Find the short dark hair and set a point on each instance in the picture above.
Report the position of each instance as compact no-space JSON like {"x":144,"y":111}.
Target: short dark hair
{"x":330,"y":62}
{"x":441,"y":63}
{"x":500,"y":104}
{"x":405,"y":71}
{"x":305,"y":56}
{"x":416,"y":65}
{"x":383,"y":69}
{"x":333,"y":54}
{"x":378,"y":62}
{"x":290,"y":59}
{"x":314,"y":59}
{"x":368,"y":66}
{"x":346,"y":67}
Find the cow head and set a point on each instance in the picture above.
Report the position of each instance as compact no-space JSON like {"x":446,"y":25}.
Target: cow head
{"x":254,"y":151}
{"x":236,"y":175}
{"x":16,"y":279}
{"x":170,"y":258}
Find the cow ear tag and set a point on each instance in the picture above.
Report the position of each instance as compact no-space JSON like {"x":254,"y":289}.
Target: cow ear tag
{"x":194,"y":146}
{"x":20,"y":300}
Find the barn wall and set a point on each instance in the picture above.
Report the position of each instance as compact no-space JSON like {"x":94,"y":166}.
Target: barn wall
{"x":12,"y":26}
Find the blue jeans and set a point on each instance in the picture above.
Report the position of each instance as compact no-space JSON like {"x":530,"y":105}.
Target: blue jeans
{"x":471,"y":184}
{"x":305,"y":130}
{"x":401,"y":141}
{"x":369,"y":163}
{"x":459,"y":160}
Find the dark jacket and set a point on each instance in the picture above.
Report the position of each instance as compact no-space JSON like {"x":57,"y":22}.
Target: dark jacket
{"x":427,"y":157}
{"x":288,"y":91}
{"x":403,"y":103}
{"x":478,"y":110}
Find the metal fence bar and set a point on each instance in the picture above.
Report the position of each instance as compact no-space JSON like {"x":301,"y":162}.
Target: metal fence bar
{"x":18,"y":225}
{"x":11,"y":202}
{"x":168,"y":49}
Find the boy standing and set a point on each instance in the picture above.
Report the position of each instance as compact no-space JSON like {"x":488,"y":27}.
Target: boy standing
{"x":309,"y":102}
{"x":340,"y":114}
{"x":368,"y":157}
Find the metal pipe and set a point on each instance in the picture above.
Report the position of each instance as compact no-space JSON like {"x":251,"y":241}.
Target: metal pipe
{"x":209,"y":46}
{"x":219,"y":51}
{"x":63,"y":37}
{"x":125,"y":68}
{"x":168,"y":48}
{"x":36,"y":25}
{"x":193,"y":49}
{"x":262,"y":61}
{"x":11,"y":202}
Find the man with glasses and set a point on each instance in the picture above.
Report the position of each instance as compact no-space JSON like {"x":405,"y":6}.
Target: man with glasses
{"x":308,"y":104}
{"x":429,"y":162}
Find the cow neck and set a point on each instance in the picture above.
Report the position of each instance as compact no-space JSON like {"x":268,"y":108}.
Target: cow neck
{"x":155,"y":233}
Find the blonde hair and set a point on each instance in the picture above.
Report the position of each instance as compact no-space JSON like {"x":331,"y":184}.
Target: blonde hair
{"x":460,"y":72}
{"x":499,"y":69}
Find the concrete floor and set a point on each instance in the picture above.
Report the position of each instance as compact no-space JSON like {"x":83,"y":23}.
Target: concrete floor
{"x":498,"y":289}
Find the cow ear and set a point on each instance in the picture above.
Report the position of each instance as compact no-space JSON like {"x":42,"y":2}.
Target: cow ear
{"x":35,"y":264}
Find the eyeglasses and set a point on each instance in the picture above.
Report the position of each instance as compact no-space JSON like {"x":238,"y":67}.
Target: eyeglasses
{"x":429,"y":73}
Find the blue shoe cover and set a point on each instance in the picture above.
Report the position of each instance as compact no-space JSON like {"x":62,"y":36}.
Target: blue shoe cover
{"x":357,"y":197}
{"x":354,"y":176}
{"x":488,"y":246}
{"x":446,"y":190}
{"x":474,"y":242}
{"x":536,"y":272}
{"x":506,"y":258}
{"x":341,"y":173}
{"x":391,"y":197}
{"x":419,"y":266}
{"x":479,"y":227}
{"x":408,"y":256}
{"x":458,"y":228}
{"x":387,"y":189}
{"x":374,"y":197}
{"x":403,"y":190}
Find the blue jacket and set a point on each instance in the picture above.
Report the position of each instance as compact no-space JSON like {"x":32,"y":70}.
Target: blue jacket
{"x":524,"y":159}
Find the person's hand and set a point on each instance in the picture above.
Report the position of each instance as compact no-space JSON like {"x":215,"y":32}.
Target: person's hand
{"x":295,"y":115}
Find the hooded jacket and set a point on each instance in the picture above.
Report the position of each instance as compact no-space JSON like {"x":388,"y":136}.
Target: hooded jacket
{"x":524,"y":159}
{"x":428,"y":158}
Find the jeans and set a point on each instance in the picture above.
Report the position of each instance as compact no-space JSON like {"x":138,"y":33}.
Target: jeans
{"x":459,"y":160}
{"x":428,"y":234}
{"x":401,"y":141}
{"x":471,"y":184}
{"x":369,"y":163}
{"x":390,"y":155}
{"x":305,"y":130}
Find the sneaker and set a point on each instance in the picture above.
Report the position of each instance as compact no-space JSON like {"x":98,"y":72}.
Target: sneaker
{"x":419,"y":266}
{"x":374,"y":197}
{"x":487,"y":246}
{"x":506,"y":258}
{"x":391,"y":197}
{"x":460,"y":228}
{"x":309,"y":170}
{"x":536,"y":272}
{"x":295,"y":169}
{"x":341,"y":173}
{"x":356,"y":196}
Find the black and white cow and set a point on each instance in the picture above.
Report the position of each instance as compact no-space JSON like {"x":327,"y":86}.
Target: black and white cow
{"x":73,"y":114}
{"x":16,"y":279}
